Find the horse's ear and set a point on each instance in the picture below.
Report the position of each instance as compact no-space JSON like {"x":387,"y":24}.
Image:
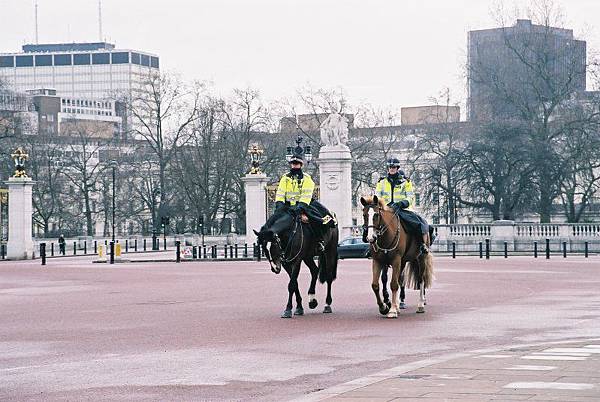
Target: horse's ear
{"x":363,"y":201}
{"x":375,"y":200}
{"x":255,"y":232}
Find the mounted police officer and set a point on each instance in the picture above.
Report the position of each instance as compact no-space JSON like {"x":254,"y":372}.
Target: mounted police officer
{"x":397,"y":192}
{"x":294,"y":198}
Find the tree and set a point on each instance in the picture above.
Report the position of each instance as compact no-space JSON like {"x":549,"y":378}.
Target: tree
{"x":163,"y":113}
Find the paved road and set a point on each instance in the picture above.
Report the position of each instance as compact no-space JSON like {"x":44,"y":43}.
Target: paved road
{"x":80,"y":331}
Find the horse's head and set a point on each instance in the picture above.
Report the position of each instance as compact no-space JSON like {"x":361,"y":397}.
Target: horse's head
{"x":271,"y":245}
{"x":372,"y":205}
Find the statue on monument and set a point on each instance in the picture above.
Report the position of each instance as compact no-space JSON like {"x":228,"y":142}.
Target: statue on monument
{"x":334,"y":130}
{"x":19,"y":156}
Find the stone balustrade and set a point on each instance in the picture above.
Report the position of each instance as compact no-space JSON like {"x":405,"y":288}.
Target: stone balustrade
{"x":518,"y":236}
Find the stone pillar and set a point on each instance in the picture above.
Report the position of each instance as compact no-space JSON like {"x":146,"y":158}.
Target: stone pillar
{"x":335,"y":168}
{"x":20,"y":210}
{"x":502,"y":231}
{"x":256,"y":203}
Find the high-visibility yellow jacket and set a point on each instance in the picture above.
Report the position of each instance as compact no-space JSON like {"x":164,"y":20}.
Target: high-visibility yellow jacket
{"x":292,"y":190}
{"x":403,"y":190}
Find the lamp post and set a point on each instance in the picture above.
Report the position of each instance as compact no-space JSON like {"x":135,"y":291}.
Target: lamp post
{"x":299,"y":149}
{"x":113,"y":165}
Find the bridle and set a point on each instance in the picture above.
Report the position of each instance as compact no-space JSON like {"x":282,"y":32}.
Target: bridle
{"x":380,"y":229}
{"x":277,"y":239}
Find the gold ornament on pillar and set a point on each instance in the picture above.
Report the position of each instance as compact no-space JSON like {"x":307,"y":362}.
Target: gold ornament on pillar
{"x":255,"y":156}
{"x":19,"y":156}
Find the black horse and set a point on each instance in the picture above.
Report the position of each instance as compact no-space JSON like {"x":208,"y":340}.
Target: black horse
{"x":289,"y":248}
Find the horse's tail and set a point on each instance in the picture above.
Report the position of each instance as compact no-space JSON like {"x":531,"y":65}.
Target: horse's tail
{"x":328,"y":260}
{"x":419,"y":271}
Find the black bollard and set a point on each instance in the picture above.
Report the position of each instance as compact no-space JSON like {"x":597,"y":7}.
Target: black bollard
{"x":453,"y":249}
{"x":480,"y":249}
{"x":245,"y":250}
{"x":535,"y":249}
{"x":85,"y":247}
{"x":2,"y":251}
{"x":52,"y":249}
{"x":194,"y":252}
{"x":204,"y":251}
{"x":236,"y":250}
{"x":126,"y":245}
{"x":135,"y":245}
{"x":178,"y":251}
{"x":586,"y":250}
{"x":225,"y":254}
{"x":505,"y":249}
{"x":95,"y":247}
{"x":214,"y":251}
{"x":43,"y":253}
{"x":74,"y":248}
{"x":564,"y":249}
{"x":112,"y":252}
{"x":144,"y":244}
{"x":547,"y":249}
{"x":230,"y":251}
{"x":164,"y":243}
{"x":487,"y":249}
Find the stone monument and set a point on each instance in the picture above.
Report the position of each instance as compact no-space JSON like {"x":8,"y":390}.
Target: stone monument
{"x":255,"y":184}
{"x":20,"y":210}
{"x":335,"y":168}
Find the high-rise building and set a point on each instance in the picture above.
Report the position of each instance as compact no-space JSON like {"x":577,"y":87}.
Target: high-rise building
{"x":85,"y":71}
{"x":519,"y":64}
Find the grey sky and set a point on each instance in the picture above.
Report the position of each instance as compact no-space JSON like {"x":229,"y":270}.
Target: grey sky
{"x":386,"y":52}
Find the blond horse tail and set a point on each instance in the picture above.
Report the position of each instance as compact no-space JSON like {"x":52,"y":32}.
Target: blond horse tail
{"x":417,"y":271}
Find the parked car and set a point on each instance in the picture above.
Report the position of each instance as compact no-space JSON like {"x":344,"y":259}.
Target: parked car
{"x":352,"y":247}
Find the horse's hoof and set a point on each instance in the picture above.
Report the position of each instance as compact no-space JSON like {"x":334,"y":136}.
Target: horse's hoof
{"x":287,"y":314}
{"x":299,"y":311}
{"x":388,"y":303}
{"x":313,"y":304}
{"x":383,"y":309}
{"x":392,"y":314}
{"x":402,"y":305}
{"x":420,"y":310}
{"x":327,"y":310}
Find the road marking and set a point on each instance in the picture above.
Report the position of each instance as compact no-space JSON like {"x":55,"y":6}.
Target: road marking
{"x":551,"y":357}
{"x":550,"y":385}
{"x":573,"y":350}
{"x":492,"y":356}
{"x":532,"y":368}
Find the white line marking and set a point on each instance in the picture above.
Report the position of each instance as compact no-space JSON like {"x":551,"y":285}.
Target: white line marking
{"x":549,"y":385}
{"x":565,"y":358}
{"x":492,"y":356}
{"x":572,"y":350}
{"x":532,"y":368}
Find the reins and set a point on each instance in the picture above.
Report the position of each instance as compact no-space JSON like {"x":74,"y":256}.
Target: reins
{"x":381,"y":230}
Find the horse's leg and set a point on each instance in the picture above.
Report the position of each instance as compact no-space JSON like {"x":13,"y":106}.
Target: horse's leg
{"x":299,"y":309}
{"x":383,"y":308}
{"x":394,"y":285}
{"x":328,"y":299}
{"x":421,"y":304}
{"x":292,"y":287}
{"x":402,"y":305}
{"x":314,"y":274}
{"x":384,"y":291}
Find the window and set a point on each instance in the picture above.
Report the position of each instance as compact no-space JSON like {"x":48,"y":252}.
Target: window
{"x":43,"y":60}
{"x":120,"y":58}
{"x":101,"y":58}
{"x":7,"y":61}
{"x":81,"y":59}
{"x":154,"y":62}
{"x":145,"y":60}
{"x":135,"y":58}
{"x":24,"y":61}
{"x":63,"y":60}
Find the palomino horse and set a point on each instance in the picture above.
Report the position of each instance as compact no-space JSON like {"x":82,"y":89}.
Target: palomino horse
{"x":289,"y":249}
{"x":392,"y":245}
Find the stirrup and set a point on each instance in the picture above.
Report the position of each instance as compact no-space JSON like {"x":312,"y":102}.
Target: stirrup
{"x":423,"y":249}
{"x":321,"y":246}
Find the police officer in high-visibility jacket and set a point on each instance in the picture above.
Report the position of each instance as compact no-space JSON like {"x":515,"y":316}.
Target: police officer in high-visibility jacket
{"x":397,"y":192}
{"x":295,"y":197}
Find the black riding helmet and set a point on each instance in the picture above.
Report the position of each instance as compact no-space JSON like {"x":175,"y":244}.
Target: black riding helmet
{"x":393,"y":162}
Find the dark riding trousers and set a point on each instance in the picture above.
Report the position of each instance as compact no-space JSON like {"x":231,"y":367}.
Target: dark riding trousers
{"x":414,"y":223}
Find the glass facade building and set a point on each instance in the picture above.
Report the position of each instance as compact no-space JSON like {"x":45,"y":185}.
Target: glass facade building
{"x":78,"y":70}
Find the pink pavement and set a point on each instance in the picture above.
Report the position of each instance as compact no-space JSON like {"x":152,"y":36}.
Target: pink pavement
{"x":74,"y":330}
